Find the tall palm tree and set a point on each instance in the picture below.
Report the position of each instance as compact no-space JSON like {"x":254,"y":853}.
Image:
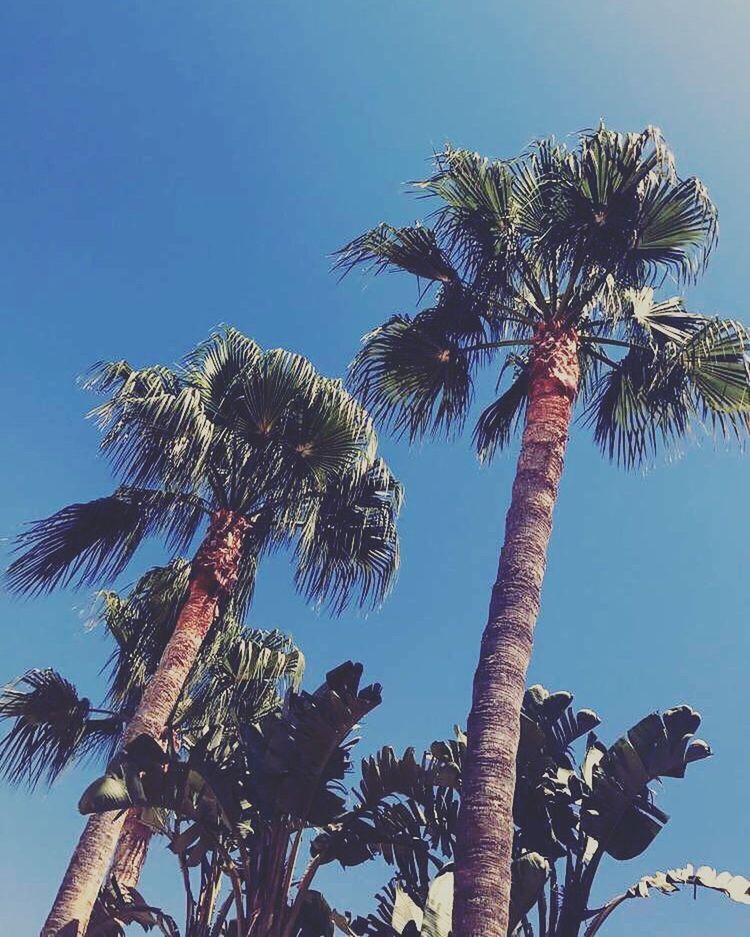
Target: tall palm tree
{"x":545,"y":265}
{"x":265,"y":450}
{"x":239,"y":670}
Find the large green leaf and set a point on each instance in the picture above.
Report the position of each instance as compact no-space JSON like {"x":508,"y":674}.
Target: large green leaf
{"x":434,"y":920}
{"x":529,"y":874}
{"x":736,"y":887}
{"x":117,"y":908}
{"x":617,"y":808}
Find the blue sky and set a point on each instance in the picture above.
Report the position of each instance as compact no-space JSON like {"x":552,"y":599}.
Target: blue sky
{"x":165,"y":167}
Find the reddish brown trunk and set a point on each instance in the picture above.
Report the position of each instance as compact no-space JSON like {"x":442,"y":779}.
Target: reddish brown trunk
{"x":131,"y":852}
{"x":212,"y":578}
{"x":130,"y":855}
{"x":485,"y":836}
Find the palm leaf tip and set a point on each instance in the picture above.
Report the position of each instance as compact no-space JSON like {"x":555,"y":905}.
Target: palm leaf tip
{"x":51,"y":728}
{"x":413,"y":249}
{"x":496,"y":425}
{"x":106,"y":376}
{"x":84,"y":543}
{"x":92,"y":542}
{"x":693,"y":374}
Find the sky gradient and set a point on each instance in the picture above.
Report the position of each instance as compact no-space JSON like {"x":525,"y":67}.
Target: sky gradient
{"x":167,"y":167}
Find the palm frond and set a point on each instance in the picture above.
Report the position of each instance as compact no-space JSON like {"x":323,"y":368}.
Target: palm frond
{"x":696,"y":375}
{"x":326,"y":434}
{"x":156,"y":431}
{"x":628,"y":423}
{"x":544,"y":204}
{"x":141,"y":623}
{"x":349,"y":546}
{"x":717,"y":363}
{"x":677,"y":229}
{"x":654,"y":322}
{"x":413,"y":376}
{"x":52,"y":728}
{"x":498,"y":422}
{"x":215,"y":367}
{"x":627,"y":214}
{"x":253,"y":548}
{"x":253,"y":462}
{"x":411,"y":249}
{"x":94,"y":541}
{"x":279,"y":380}
{"x":240,"y":677}
{"x":475,"y":219}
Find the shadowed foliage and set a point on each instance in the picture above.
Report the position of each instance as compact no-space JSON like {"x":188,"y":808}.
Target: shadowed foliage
{"x":244,"y":798}
{"x":240,"y":671}
{"x":569,"y":813}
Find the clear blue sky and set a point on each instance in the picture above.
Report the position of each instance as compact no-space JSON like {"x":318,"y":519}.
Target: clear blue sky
{"x":168,"y":166}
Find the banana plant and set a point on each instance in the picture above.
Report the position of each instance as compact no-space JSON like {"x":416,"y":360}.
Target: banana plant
{"x":408,"y":919}
{"x":246,"y":798}
{"x":243,"y":799}
{"x":569,"y":814}
{"x":736,"y":887}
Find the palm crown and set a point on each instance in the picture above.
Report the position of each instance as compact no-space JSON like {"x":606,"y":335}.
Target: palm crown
{"x":241,"y":673}
{"x":233,"y":428}
{"x":556,"y":240}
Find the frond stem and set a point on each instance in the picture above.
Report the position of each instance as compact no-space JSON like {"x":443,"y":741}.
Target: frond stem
{"x":617,"y":342}
{"x":532,"y":284}
{"x":485,"y":346}
{"x":603,"y":358}
{"x":521,"y":320}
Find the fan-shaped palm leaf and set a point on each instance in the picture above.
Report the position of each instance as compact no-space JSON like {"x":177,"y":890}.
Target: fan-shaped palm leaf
{"x":52,"y":727}
{"x":413,"y":375}
{"x":349,"y":546}
{"x":94,"y":542}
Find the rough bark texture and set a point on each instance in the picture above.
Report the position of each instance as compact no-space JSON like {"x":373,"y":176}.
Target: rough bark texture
{"x":131,"y":852}
{"x":212,"y":578}
{"x":485,"y":836}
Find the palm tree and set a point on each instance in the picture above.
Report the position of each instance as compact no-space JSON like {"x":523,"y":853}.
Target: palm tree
{"x":545,"y":265}
{"x":54,"y":727}
{"x":271,"y":454}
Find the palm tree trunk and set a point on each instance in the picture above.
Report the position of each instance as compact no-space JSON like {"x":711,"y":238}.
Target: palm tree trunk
{"x":132,"y":849}
{"x":212,"y":578}
{"x":485,"y":835}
